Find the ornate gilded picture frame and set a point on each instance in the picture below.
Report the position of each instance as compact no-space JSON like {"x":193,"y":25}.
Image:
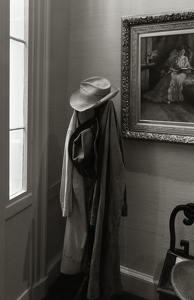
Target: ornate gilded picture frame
{"x":158,"y":77}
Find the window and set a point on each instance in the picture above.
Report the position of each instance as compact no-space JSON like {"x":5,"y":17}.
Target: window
{"x":29,"y":110}
{"x":18,"y":102}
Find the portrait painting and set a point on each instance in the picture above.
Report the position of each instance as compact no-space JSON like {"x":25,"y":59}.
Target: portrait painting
{"x":158,"y":77}
{"x":167,"y":78}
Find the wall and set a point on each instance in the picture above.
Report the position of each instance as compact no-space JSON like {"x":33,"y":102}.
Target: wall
{"x":159,"y":175}
{"x":59,"y":42}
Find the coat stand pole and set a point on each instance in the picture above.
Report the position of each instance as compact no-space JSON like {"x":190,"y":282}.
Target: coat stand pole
{"x":84,"y":283}
{"x":91,"y":233}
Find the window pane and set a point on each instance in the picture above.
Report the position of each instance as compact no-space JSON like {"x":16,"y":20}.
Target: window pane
{"x":16,"y":83}
{"x":17,"y":18}
{"x":16,"y":158}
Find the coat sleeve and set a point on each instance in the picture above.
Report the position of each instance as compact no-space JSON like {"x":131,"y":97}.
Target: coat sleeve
{"x":67,"y":169}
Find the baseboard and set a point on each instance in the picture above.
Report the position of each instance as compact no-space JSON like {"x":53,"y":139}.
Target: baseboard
{"x":133,"y":282}
{"x":139,"y":284}
{"x":40,"y":289}
{"x":26,"y":295}
{"x":53,"y":269}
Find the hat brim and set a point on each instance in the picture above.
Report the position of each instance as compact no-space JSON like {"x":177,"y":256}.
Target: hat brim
{"x":78,"y":103}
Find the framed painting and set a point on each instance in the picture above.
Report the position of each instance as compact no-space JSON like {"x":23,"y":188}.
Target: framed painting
{"x":158,"y":77}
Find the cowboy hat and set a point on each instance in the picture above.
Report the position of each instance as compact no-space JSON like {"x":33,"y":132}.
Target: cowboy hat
{"x":82,"y":148}
{"x":93,"y":92}
{"x":182,"y":279}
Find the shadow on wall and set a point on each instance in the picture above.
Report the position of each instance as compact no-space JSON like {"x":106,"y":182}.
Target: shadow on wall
{"x":141,"y":238}
{"x":55,"y":158}
{"x":27,"y":266}
{"x":55,"y":222}
{"x":46,"y":233}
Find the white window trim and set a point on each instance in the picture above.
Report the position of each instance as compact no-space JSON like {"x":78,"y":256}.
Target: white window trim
{"x":4,"y":133}
{"x":14,"y":198}
{"x":38,"y":95}
{"x":23,"y":198}
{"x":37,"y":192}
{"x":40,"y":144}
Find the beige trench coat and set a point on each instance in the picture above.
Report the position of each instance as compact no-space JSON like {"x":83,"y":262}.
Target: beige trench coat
{"x":72,"y":198}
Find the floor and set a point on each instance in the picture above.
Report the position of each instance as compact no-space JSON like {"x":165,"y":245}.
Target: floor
{"x":182,"y":111}
{"x":173,"y":112}
{"x":66,"y":288}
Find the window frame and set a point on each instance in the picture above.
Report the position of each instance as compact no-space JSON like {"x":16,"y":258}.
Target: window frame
{"x":38,"y":108}
{"x":26,"y":114}
{"x":36,"y":197}
{"x":23,"y":198}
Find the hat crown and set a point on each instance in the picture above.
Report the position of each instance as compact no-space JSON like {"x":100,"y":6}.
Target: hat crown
{"x":93,"y":92}
{"x":96,"y":86}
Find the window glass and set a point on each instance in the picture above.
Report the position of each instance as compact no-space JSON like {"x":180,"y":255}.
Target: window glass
{"x":16,"y":83}
{"x":18,"y":101}
{"x":17,"y":18}
{"x":16,"y":160}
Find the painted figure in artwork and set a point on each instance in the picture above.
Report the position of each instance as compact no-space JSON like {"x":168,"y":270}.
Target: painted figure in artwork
{"x":172,"y":77}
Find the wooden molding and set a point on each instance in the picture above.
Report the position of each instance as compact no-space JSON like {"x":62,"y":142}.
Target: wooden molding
{"x":53,"y":269}
{"x":40,"y":289}
{"x":25,"y":295}
{"x":41,"y":59}
{"x":140,"y":284}
{"x":4,"y":133}
{"x":17,"y":206}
